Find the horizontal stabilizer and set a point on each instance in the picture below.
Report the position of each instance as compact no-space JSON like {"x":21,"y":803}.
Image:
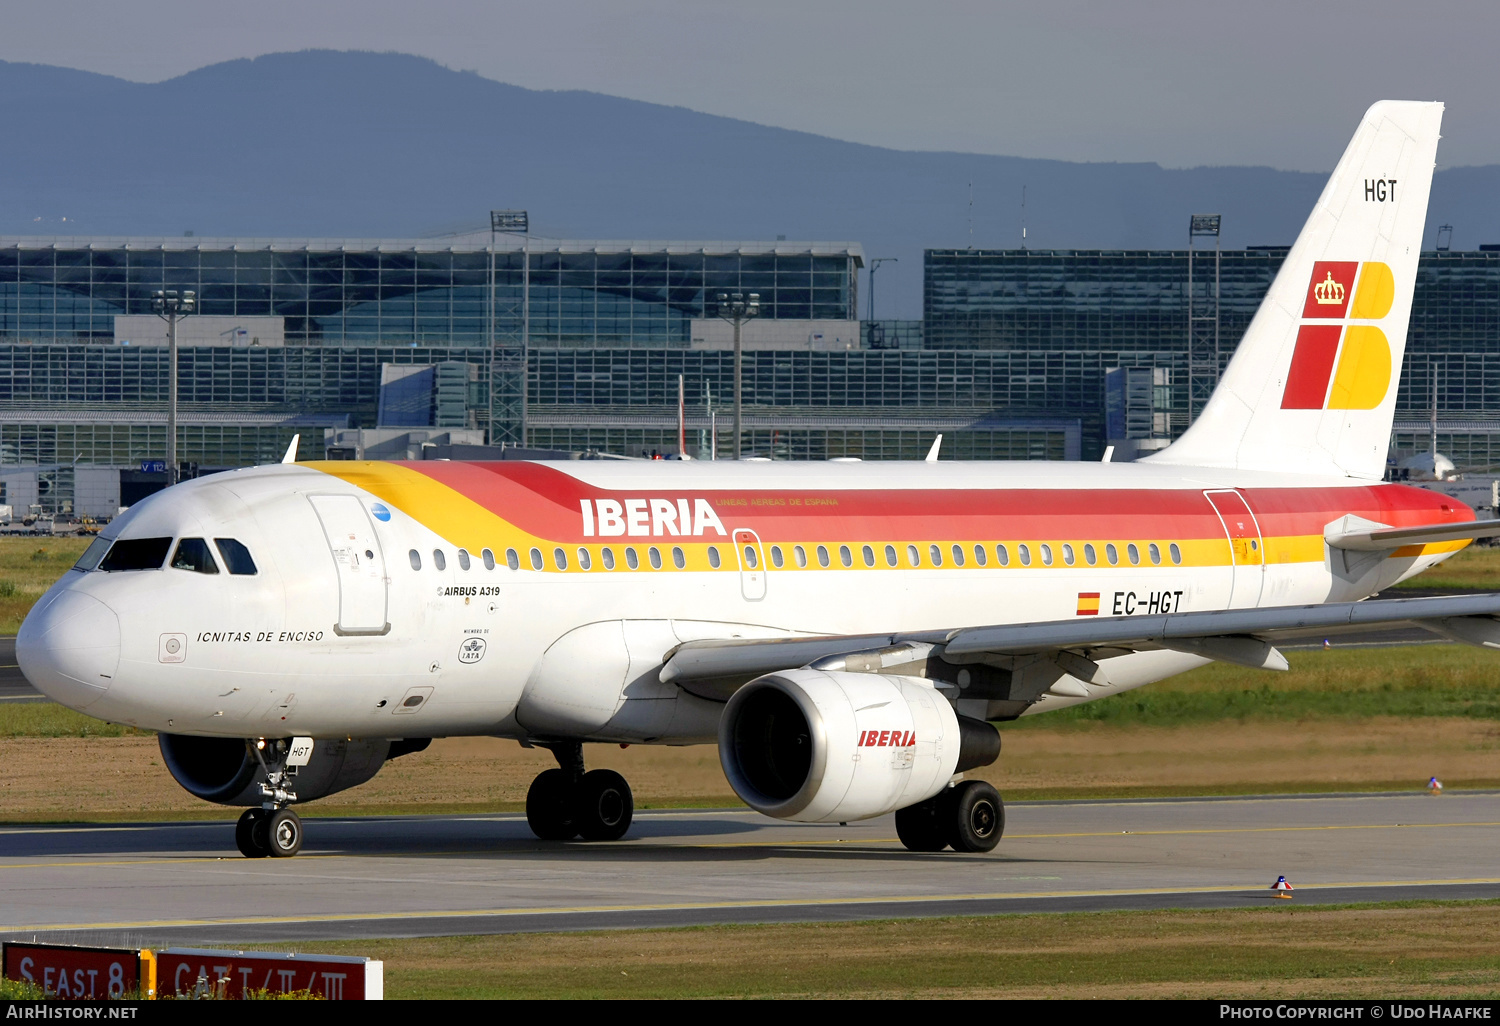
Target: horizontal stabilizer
{"x":1360,"y":535}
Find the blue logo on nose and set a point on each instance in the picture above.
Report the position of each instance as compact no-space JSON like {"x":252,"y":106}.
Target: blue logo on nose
{"x":381,"y":512}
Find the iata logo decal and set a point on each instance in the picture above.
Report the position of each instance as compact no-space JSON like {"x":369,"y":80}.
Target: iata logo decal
{"x":1342,"y":366}
{"x":887,"y":738}
{"x":471,"y":651}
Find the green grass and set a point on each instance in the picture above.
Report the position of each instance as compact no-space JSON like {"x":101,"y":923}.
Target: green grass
{"x":1409,"y":949}
{"x":48,"y":719}
{"x":1349,"y":683}
{"x":28,"y":567}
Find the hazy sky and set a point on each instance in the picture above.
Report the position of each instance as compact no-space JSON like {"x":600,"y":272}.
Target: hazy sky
{"x":1177,"y":82}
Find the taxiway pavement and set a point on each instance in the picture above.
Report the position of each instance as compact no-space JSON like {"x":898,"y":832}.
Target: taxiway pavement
{"x":432,"y":875}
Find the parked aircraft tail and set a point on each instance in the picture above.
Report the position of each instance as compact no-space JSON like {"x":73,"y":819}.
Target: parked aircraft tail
{"x":1312,"y":386}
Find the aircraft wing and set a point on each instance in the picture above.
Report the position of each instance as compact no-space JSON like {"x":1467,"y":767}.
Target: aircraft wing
{"x":714,"y":668}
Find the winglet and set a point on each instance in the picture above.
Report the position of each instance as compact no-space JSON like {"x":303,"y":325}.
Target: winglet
{"x":291,"y":450}
{"x":937,"y":443}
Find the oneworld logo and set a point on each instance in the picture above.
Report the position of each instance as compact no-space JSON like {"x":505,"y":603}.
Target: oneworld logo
{"x":649,"y":518}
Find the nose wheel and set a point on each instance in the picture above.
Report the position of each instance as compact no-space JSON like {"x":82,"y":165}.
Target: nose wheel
{"x":273,"y":829}
{"x":568,"y":802}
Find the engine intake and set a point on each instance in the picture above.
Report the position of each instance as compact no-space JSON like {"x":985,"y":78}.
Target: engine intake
{"x":829,"y":746}
{"x":221,"y":769}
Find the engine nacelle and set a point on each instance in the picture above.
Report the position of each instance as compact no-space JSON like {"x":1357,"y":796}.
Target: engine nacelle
{"x":221,"y":769}
{"x":829,"y":746}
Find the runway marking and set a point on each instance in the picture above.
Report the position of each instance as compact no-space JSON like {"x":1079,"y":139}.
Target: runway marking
{"x":480,"y":913}
{"x":647,"y":843}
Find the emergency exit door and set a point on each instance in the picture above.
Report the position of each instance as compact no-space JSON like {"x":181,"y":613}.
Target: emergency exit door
{"x":1247,"y":548}
{"x":358,"y":562}
{"x":752,"y":559}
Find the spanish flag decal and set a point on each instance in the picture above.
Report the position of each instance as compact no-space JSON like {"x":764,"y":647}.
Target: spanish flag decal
{"x":1088,"y":603}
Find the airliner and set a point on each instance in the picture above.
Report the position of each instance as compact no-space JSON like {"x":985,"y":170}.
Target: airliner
{"x":847,"y":633}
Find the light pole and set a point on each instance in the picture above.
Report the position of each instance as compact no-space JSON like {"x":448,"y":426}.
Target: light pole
{"x":169,"y":305}
{"x":875,"y":263}
{"x":737,"y":308}
{"x":511,"y":222}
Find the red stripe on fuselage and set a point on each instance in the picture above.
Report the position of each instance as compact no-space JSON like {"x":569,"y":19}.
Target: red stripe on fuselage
{"x":546,"y":502}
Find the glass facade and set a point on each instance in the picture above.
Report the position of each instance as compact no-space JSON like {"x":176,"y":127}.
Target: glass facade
{"x":417,"y":292}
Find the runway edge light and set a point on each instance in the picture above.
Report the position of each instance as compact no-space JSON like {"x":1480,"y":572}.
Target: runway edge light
{"x":1282,"y":888}
{"x":1434,"y":786}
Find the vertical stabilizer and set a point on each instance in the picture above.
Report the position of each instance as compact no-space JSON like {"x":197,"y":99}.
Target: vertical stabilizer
{"x":1312,"y":386}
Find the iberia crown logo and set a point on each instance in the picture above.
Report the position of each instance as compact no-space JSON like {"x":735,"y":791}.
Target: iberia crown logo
{"x":1342,"y":366}
{"x":1328,"y":292}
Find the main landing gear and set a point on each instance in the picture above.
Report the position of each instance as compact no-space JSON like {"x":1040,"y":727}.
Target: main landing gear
{"x":567,"y":802}
{"x":273,"y":829}
{"x":966,"y":817}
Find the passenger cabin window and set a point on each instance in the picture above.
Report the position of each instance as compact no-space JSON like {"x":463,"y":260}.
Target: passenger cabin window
{"x":958,"y":555}
{"x":560,"y":558}
{"x":1024,"y":552}
{"x":679,"y":560}
{"x":1134,"y":553}
{"x":800,"y":554}
{"x":463,"y":559}
{"x":91,"y":555}
{"x":536,"y":559}
{"x":1112,"y":554}
{"x":750,"y":558}
{"x":1088,"y":555}
{"x":1046,"y":554}
{"x":913,"y":556}
{"x":979,"y":555}
{"x":438,"y":559}
{"x":584,"y":561}
{"x":868,"y":554}
{"x":822,"y":555}
{"x":890,"y":555}
{"x":608,"y":555}
{"x":192,"y":554}
{"x":844,"y":556}
{"x":1067,"y":554}
{"x":777,"y":560}
{"x":631,"y":559}
{"x":1003,"y":555}
{"x":1176,"y":553}
{"x":655,"y":555}
{"x":935,"y":554}
{"x":713,"y":556}
{"x":512,"y":560}
{"x":489,"y":559}
{"x":415,"y":558}
{"x":1155,"y":551}
{"x":137,"y":554}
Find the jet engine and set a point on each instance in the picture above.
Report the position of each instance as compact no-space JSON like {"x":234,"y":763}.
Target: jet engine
{"x":830,"y":746}
{"x":223,"y":770}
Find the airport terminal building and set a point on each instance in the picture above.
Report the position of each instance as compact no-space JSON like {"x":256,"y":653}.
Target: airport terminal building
{"x":401,"y":347}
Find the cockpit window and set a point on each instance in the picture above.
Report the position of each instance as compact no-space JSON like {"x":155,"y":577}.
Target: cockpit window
{"x":137,"y":554}
{"x":91,"y":556}
{"x":236,"y":557}
{"x":193,"y":554}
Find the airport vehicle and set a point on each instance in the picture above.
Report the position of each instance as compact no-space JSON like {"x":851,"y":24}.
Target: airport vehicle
{"x":847,"y":632}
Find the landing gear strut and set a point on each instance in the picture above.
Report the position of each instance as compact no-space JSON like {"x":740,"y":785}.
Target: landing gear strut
{"x":273,"y":829}
{"x":568,"y":802}
{"x":966,"y":817}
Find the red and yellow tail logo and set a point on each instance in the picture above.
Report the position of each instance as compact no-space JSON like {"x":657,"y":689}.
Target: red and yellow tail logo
{"x":1342,"y":366}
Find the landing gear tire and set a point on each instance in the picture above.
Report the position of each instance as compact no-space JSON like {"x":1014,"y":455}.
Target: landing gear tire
{"x":976,"y":816}
{"x":603,"y":806}
{"x":250,"y":834}
{"x":283,"y":833}
{"x":924,"y":827}
{"x":549,"y":806}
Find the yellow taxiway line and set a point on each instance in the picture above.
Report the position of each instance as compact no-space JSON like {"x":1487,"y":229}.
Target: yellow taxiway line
{"x":479,"y":913}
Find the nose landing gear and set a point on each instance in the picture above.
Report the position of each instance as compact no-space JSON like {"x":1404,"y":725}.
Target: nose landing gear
{"x":273,"y":829}
{"x":568,"y":802}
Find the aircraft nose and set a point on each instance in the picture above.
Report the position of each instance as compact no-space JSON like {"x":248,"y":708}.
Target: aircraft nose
{"x":69,"y":648}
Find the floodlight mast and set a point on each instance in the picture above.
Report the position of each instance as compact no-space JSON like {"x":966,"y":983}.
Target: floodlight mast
{"x":511,"y":222}
{"x":737,"y":308}
{"x":170,"y":305}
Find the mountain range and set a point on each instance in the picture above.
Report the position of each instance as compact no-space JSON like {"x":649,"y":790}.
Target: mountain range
{"x":372,"y":145}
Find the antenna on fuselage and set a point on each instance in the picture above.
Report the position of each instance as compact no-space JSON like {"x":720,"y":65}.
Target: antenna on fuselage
{"x":291,"y":450}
